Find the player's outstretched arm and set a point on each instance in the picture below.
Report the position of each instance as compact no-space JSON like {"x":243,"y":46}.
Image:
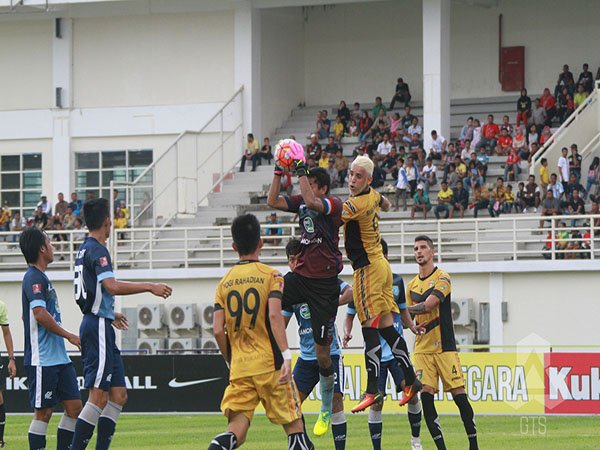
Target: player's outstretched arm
{"x":43,"y":317}
{"x":8,"y":341}
{"x":278,"y":329}
{"x":424,"y":307}
{"x":385,"y":204}
{"x":310,"y":200}
{"x":219,"y":332}
{"x":407,"y":322}
{"x":116,"y":287}
{"x":274,"y":199}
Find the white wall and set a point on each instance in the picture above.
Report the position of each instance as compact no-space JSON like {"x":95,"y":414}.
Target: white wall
{"x":153,"y":59}
{"x":282,"y":56}
{"x":26,"y":55}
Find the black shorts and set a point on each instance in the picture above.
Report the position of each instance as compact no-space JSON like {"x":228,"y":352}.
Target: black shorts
{"x":322,"y":296}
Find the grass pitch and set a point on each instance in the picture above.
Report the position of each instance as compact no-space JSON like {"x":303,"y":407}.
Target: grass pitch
{"x":186,"y":432}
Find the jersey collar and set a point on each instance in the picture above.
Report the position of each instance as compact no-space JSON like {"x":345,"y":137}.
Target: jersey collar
{"x":246,"y":261}
{"x":434,"y":271}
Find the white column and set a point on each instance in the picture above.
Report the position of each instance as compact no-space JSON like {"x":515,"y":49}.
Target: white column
{"x":436,"y":67}
{"x":62,"y":75}
{"x":496,"y":297}
{"x":247,"y":62}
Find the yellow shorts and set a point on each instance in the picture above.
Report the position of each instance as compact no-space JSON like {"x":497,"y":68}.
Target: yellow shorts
{"x":372,"y":290}
{"x":433,"y":366}
{"x":281,"y":402}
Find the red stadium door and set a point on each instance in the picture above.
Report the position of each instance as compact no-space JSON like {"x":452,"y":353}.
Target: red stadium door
{"x":512,"y":68}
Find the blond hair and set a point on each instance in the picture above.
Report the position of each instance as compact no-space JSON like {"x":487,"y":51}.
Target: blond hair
{"x":364,"y":162}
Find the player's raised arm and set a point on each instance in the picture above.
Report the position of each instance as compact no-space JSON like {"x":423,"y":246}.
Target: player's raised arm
{"x":385,"y":204}
{"x":274,"y":198}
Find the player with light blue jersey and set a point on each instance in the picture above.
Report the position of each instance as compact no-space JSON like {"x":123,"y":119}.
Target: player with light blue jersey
{"x":95,"y":289}
{"x":51,"y":377}
{"x":389,"y":364}
{"x":306,"y":370}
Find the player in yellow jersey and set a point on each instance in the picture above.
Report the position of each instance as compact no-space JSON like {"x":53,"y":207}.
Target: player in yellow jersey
{"x":428,"y":297}
{"x":250,"y":332}
{"x":373,"y":297}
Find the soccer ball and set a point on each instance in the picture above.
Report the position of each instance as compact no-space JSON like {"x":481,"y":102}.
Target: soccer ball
{"x":286,"y":151}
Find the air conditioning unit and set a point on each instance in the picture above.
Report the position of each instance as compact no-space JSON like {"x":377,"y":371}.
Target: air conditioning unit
{"x":205,"y":315}
{"x":150,"y":345}
{"x":209,"y":344}
{"x":464,"y":339}
{"x":150,"y":317}
{"x":183,"y":345}
{"x":462,"y":311}
{"x":182,"y":316}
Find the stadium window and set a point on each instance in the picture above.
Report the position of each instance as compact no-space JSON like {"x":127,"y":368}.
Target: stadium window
{"x":95,"y":170}
{"x":21,"y":181}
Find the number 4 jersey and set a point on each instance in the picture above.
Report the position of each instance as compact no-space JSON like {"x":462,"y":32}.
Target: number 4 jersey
{"x":243,"y":295}
{"x":92,"y":266}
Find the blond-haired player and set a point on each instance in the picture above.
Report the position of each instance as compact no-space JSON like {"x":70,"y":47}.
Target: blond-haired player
{"x":373,"y":297}
{"x":250,"y":332}
{"x":428,"y":297}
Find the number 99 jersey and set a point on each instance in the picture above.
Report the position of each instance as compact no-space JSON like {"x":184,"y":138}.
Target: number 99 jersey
{"x":243,"y":295}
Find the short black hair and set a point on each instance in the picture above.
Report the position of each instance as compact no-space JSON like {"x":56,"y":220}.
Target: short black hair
{"x":384,"y":247}
{"x":31,"y":242}
{"x":292,"y":248}
{"x":321,"y":177}
{"x":425,"y":238}
{"x":245,"y":231}
{"x":95,"y":211}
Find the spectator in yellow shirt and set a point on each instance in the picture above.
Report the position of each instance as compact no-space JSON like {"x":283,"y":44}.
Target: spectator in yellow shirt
{"x":544,"y":176}
{"x":444,"y":201}
{"x":324,"y":161}
{"x":509,"y":199}
{"x":120,"y":223}
{"x":338,"y":129}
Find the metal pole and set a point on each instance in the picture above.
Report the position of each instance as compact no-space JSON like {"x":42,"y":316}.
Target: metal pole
{"x":185,"y":234}
{"x":439,"y":241}
{"x":514,"y":222}
{"x":552,"y":239}
{"x":221,"y":244}
{"x":476,"y":240}
{"x":221,"y":137}
{"x":402,"y":231}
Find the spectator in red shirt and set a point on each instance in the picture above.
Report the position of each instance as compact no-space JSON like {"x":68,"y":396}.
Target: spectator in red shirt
{"x":504,"y":143}
{"x":364,"y":125}
{"x":548,"y":101}
{"x":545,"y":135}
{"x":512,"y":165}
{"x":489,"y":133}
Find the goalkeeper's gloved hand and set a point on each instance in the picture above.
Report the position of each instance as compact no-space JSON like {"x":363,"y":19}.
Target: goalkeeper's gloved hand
{"x":300,"y":168}
{"x":278,"y":170}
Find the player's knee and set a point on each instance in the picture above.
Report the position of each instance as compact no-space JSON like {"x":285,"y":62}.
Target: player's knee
{"x":118,"y":396}
{"x":43,"y":414}
{"x":324,"y":360}
{"x":338,"y":403}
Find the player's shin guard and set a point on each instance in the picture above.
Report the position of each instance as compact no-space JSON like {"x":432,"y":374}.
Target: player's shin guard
{"x":224,"y":441}
{"x":107,"y":424}
{"x":297,"y":441}
{"x":84,"y":428}
{"x":372,"y":358}
{"x":326,"y":381}
{"x":400,"y":351}
{"x":2,"y":421}
{"x":468,"y":418}
{"x":414,"y":418}
{"x":339,"y":429}
{"x":64,"y":435}
{"x":432,"y":420}
{"x":375,"y":428}
{"x":37,"y":435}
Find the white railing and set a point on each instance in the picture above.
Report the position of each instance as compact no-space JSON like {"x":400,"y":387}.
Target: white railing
{"x":580,"y":128}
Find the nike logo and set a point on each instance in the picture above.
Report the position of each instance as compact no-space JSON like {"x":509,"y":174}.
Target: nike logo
{"x":179,"y":384}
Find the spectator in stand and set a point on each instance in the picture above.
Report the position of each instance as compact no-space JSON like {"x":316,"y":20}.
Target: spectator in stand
{"x":461,"y":167}
{"x":45,"y":205}
{"x":401,"y":185}
{"x":115,"y":200}
{"x":575,"y":162}
{"x":420,"y":202}
{"x":428,"y":175}
{"x":395,"y":126}
{"x":481,"y":199}
{"x":356,"y":113}
{"x":378,"y":177}
{"x":313,"y":150}
{"x":586,"y":79}
{"x":250,"y":153}
{"x":60,"y":209}
{"x":593,"y":175}
{"x":376,"y":111}
{"x":75,"y":204}
{"x":460,"y":200}
{"x":520,"y":144}
{"x":364,"y":126}
{"x":476,"y":134}
{"x":402,"y":94}
{"x":506,"y":125}
{"x":550,"y":207}
{"x":444,"y":199}
{"x":413,"y":129}
{"x":595,"y":210}
{"x":520,"y":198}
{"x":324,"y":161}
{"x":321,"y":130}
{"x":523,"y":108}
{"x":572,"y":185}
{"x":532,"y":137}
{"x":274,"y":233}
{"x":326,"y":123}
{"x":17,"y":224}
{"x":565,"y":80}
{"x":338,"y":129}
{"x":40,"y":218}
{"x":482,"y":161}
{"x":123,"y":207}
{"x":539,"y":116}
{"x":532,"y":195}
{"x":407,"y":118}
{"x":412,"y":174}
{"x":437,"y":146}
{"x":383,"y":149}
{"x":472,"y":179}
{"x":509,"y":200}
{"x":265,"y":151}
{"x":512,"y":168}
{"x":79,"y":233}
{"x":546,"y":135}
{"x":341,"y":165}
{"x":466,"y":132}
{"x":352,"y":128}
{"x":580,"y":96}
{"x":548,"y":102}
{"x":69,"y":219}
{"x":415,"y":149}
{"x":575,"y":207}
{"x":544,"y":176}
{"x":497,"y":198}
{"x":563,"y":168}
{"x":332,"y":172}
{"x":556,"y":187}
{"x":465,"y":153}
{"x":343,"y":113}
{"x":388,"y":165}
{"x":332,"y":147}
{"x":562,"y":104}
{"x":120,"y":223}
{"x":450,"y":176}
{"x":504,"y":143}
{"x":533,"y":148}
{"x":489,"y":132}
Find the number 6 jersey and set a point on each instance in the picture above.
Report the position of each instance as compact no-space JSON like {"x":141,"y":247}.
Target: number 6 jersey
{"x":243,"y":295}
